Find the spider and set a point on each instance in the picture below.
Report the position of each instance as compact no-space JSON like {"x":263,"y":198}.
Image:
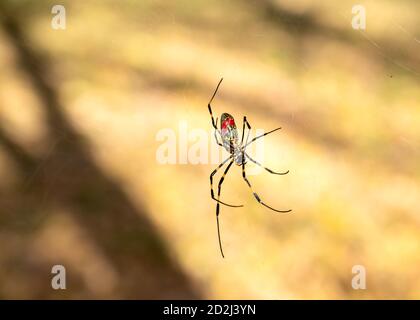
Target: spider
{"x":229,"y":140}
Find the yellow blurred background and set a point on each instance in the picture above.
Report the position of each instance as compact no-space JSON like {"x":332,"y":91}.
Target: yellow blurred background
{"x":80,"y":185}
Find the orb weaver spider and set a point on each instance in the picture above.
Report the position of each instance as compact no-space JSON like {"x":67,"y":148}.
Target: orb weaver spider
{"x":229,"y":140}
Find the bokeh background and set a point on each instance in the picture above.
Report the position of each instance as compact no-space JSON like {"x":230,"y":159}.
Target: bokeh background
{"x":80,"y":185}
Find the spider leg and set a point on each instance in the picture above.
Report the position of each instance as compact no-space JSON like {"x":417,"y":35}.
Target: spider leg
{"x":217,"y":140}
{"x":269,"y":170}
{"x":243,"y":130}
{"x":215,"y":135}
{"x":209,"y":106}
{"x":260,"y":136}
{"x":219,"y":188}
{"x":256,"y":195}
{"x":211,"y":185}
{"x":218,"y":234}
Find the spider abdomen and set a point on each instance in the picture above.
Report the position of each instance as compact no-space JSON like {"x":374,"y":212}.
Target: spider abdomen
{"x":229,"y":132}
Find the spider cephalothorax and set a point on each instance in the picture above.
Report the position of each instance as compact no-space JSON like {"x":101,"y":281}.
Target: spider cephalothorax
{"x":229,"y":135}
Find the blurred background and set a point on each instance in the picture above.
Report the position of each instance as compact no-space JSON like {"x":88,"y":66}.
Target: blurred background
{"x":80,"y":185}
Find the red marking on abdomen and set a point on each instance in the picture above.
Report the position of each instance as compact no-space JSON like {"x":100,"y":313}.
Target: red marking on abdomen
{"x":228,"y":122}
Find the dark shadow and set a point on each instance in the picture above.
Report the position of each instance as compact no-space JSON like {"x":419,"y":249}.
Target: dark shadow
{"x":69,"y":178}
{"x":20,"y":156}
